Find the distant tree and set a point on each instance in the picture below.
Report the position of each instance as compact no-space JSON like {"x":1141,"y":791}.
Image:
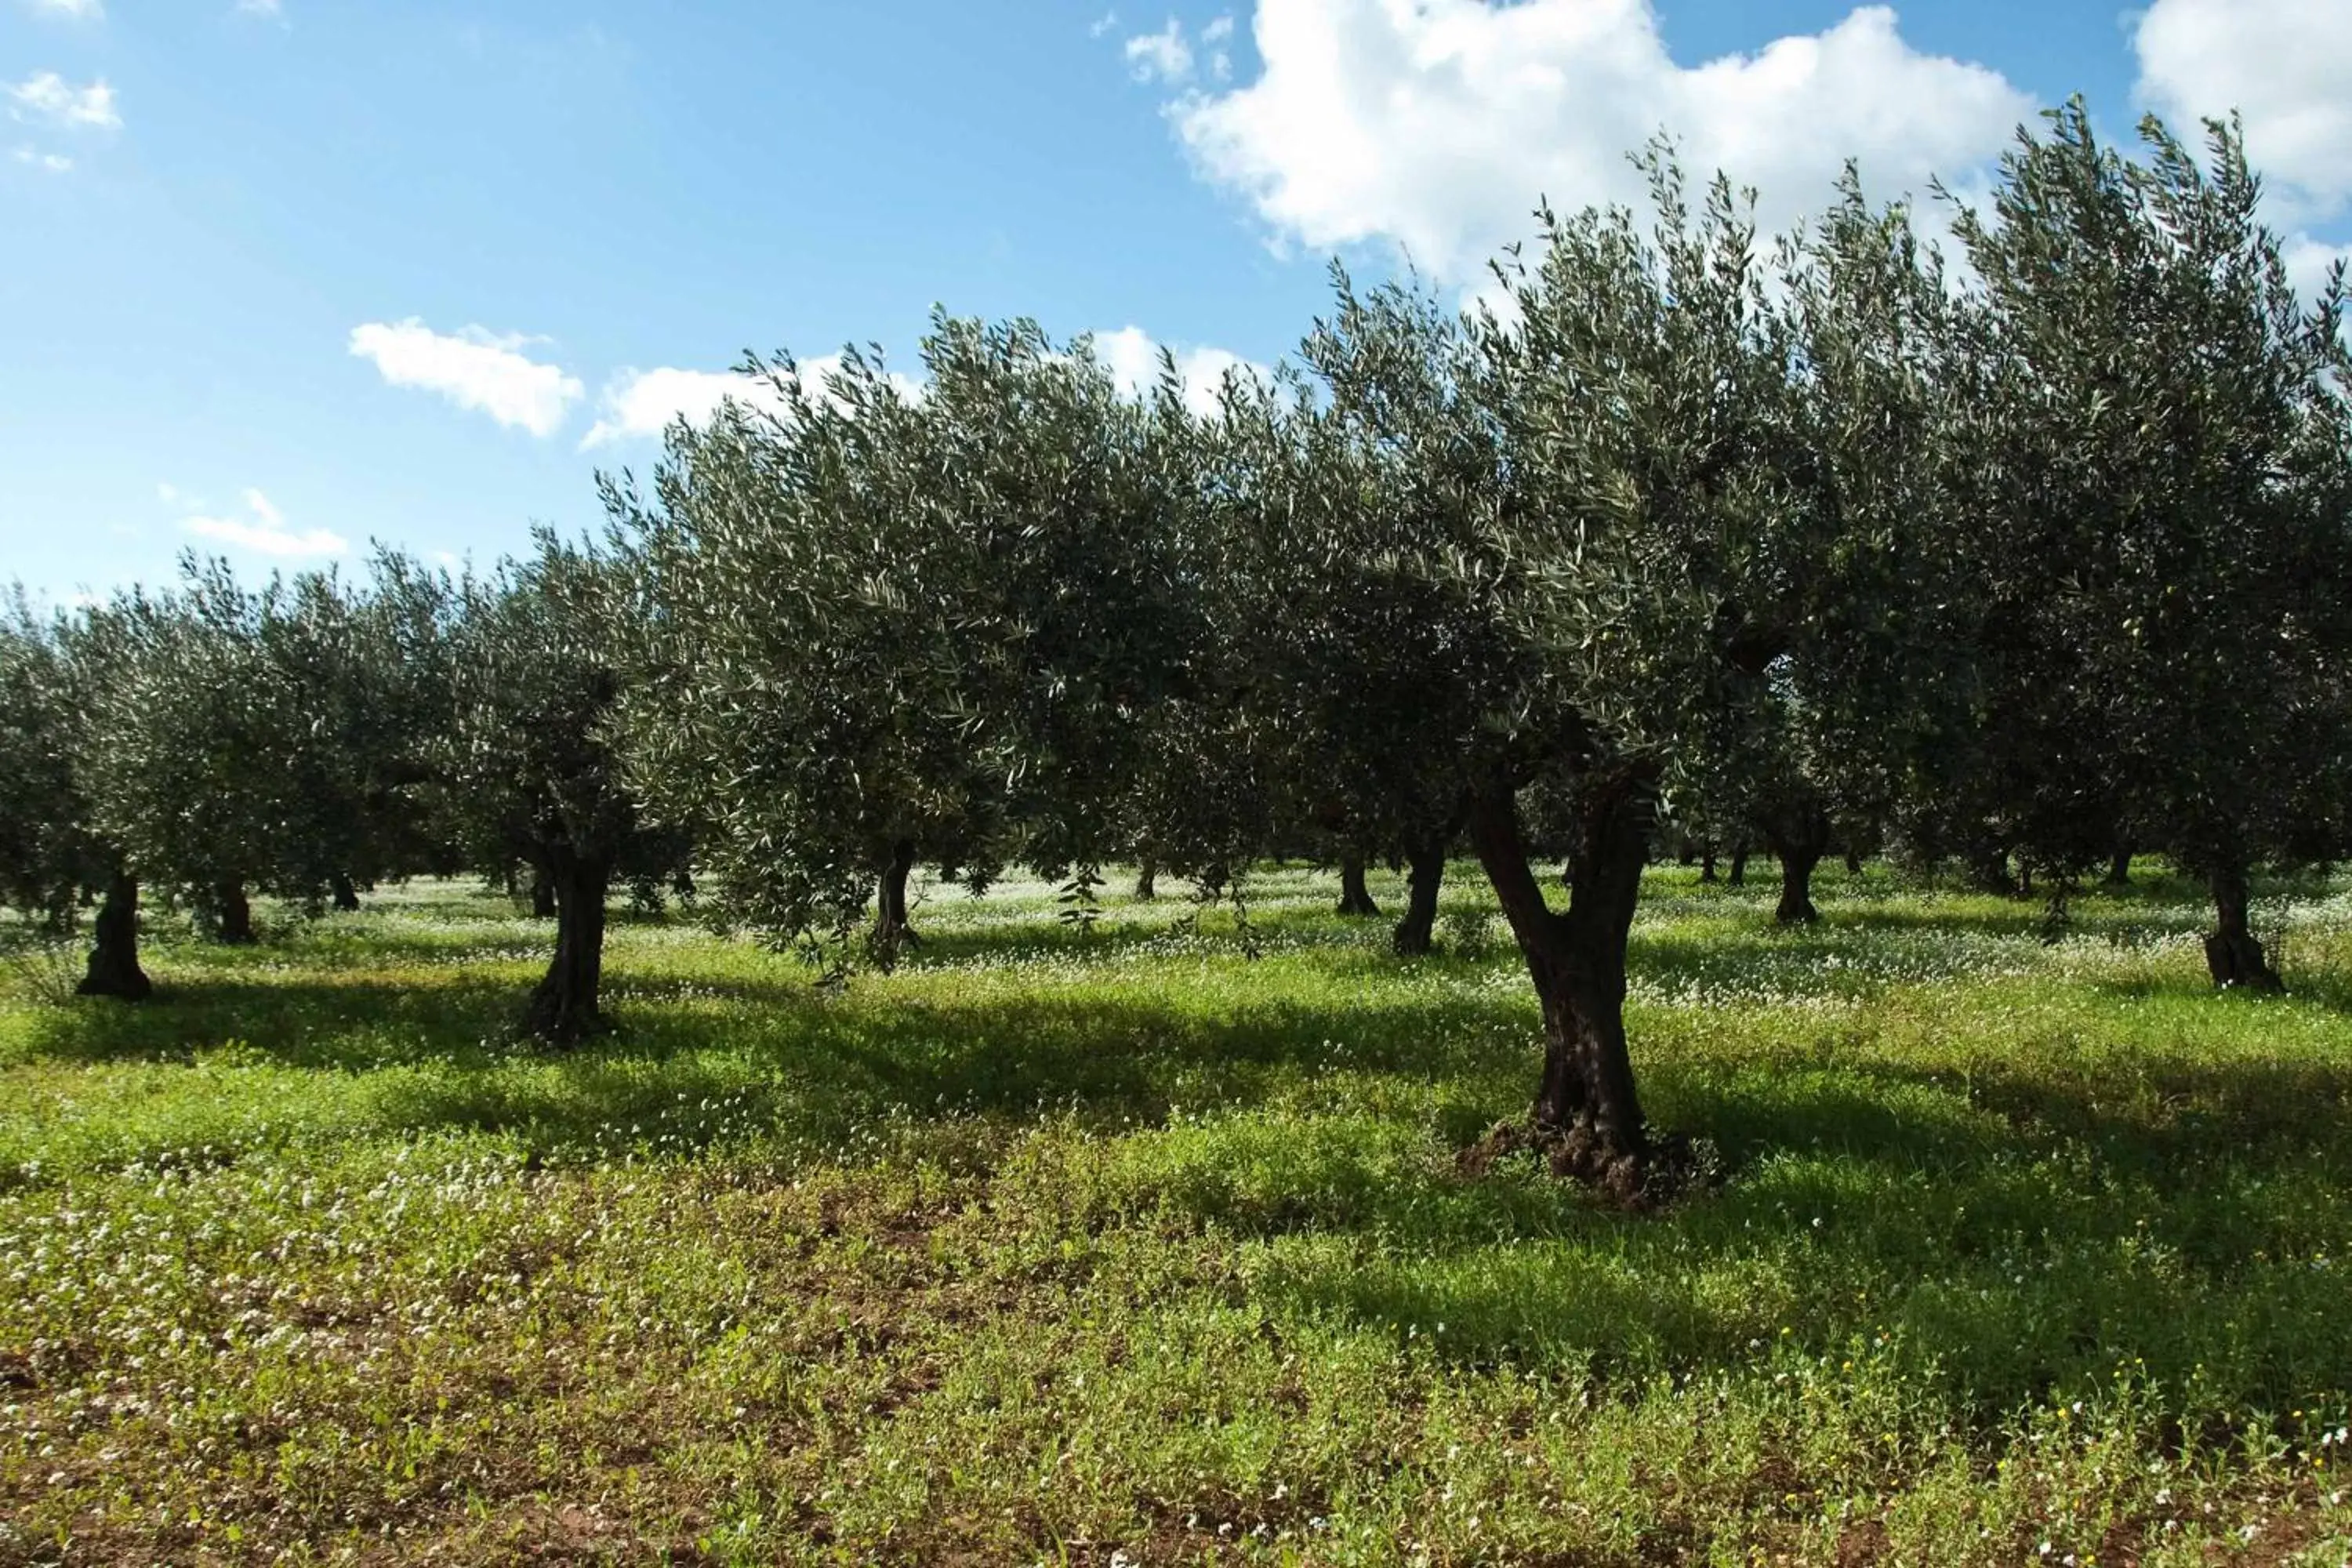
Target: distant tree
{"x":2155,"y":451}
{"x":887,"y":627}
{"x":46,"y":854}
{"x":528,"y":773}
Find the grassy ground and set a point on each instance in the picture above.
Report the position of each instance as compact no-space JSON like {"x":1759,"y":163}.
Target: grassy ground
{"x":1135,"y":1248}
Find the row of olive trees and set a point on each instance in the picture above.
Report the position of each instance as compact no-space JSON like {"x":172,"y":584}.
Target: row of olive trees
{"x":2022,"y":559}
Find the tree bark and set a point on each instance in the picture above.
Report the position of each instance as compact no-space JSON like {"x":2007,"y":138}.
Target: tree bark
{"x":1854,"y":862}
{"x":1739,"y":863}
{"x":2119,"y":869}
{"x":1989,"y":873}
{"x":1798,"y":842}
{"x":347,"y":898}
{"x":114,"y":954}
{"x":563,"y":1009}
{"x":1147,"y":880}
{"x":542,"y":894}
{"x":891,"y":929}
{"x":1586,"y":1106}
{"x":1355,"y":897}
{"x":2232,"y":954}
{"x":1706,"y":867}
{"x":233,"y":915}
{"x":1415,"y":934}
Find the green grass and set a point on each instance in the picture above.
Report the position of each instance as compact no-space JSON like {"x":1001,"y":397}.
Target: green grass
{"x":1133,"y":1248}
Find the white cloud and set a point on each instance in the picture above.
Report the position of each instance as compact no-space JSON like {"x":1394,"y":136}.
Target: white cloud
{"x":474,"y":369}
{"x":2308,"y":262}
{"x":265,"y":533}
{"x":637,"y":403}
{"x":79,"y":10}
{"x":53,"y":163}
{"x":2286,"y":65}
{"x":1103,"y":23}
{"x":49,"y":97}
{"x":643,"y":403}
{"x":1163,"y":56}
{"x":1437,"y":124}
{"x":1133,"y":359}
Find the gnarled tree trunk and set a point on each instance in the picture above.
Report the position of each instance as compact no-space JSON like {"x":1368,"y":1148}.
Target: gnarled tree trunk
{"x":1415,"y":932}
{"x":563,"y":1008}
{"x":2232,"y":954}
{"x":1798,"y":839}
{"x":114,"y":954}
{"x":891,"y":930}
{"x":1586,"y":1108}
{"x":1355,"y":897}
{"x":233,"y":915}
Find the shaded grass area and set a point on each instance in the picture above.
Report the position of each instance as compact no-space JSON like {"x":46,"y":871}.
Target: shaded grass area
{"x":1050,"y":1247}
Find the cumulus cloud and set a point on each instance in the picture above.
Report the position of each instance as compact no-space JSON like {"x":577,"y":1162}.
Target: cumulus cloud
{"x":265,"y":531}
{"x":1436,"y":124}
{"x":47,"y":98}
{"x":2283,"y":65}
{"x":1133,"y":357}
{"x":1164,"y":56}
{"x":474,"y":368}
{"x":639,"y":404}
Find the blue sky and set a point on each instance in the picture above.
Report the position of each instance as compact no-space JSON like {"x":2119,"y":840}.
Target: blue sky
{"x":277,"y":280}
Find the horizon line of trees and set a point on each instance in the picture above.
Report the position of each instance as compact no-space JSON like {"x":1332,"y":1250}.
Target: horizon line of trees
{"x":1816,"y":541}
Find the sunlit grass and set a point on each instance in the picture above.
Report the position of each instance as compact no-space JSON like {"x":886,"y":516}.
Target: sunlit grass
{"x":1053,"y":1246}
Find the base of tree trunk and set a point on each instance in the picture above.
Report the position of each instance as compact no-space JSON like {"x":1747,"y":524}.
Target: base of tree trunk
{"x":2119,"y":870}
{"x":1739,"y":866}
{"x":113,"y":969}
{"x":2236,"y":960}
{"x":347,"y":898}
{"x":1355,"y":897}
{"x":233,"y":916}
{"x":1707,"y":876}
{"x":1669,"y":1167}
{"x":562,"y":1010}
{"x":1146,"y":882}
{"x":1415,"y":934}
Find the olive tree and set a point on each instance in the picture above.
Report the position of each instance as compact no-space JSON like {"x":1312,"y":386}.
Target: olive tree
{"x":886,"y":624}
{"x":2155,"y":452}
{"x":528,"y":771}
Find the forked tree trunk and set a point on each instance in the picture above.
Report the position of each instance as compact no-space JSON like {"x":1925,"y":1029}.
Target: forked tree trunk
{"x":542,"y":894}
{"x":2232,"y":954}
{"x":891,"y":929}
{"x":1798,"y":841}
{"x":1989,"y":873}
{"x":563,"y":1009}
{"x":347,"y":898}
{"x":233,"y":913}
{"x":1416,"y":931}
{"x":114,"y":954}
{"x":1147,"y":880}
{"x":1586,"y":1106}
{"x":1355,"y":897}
